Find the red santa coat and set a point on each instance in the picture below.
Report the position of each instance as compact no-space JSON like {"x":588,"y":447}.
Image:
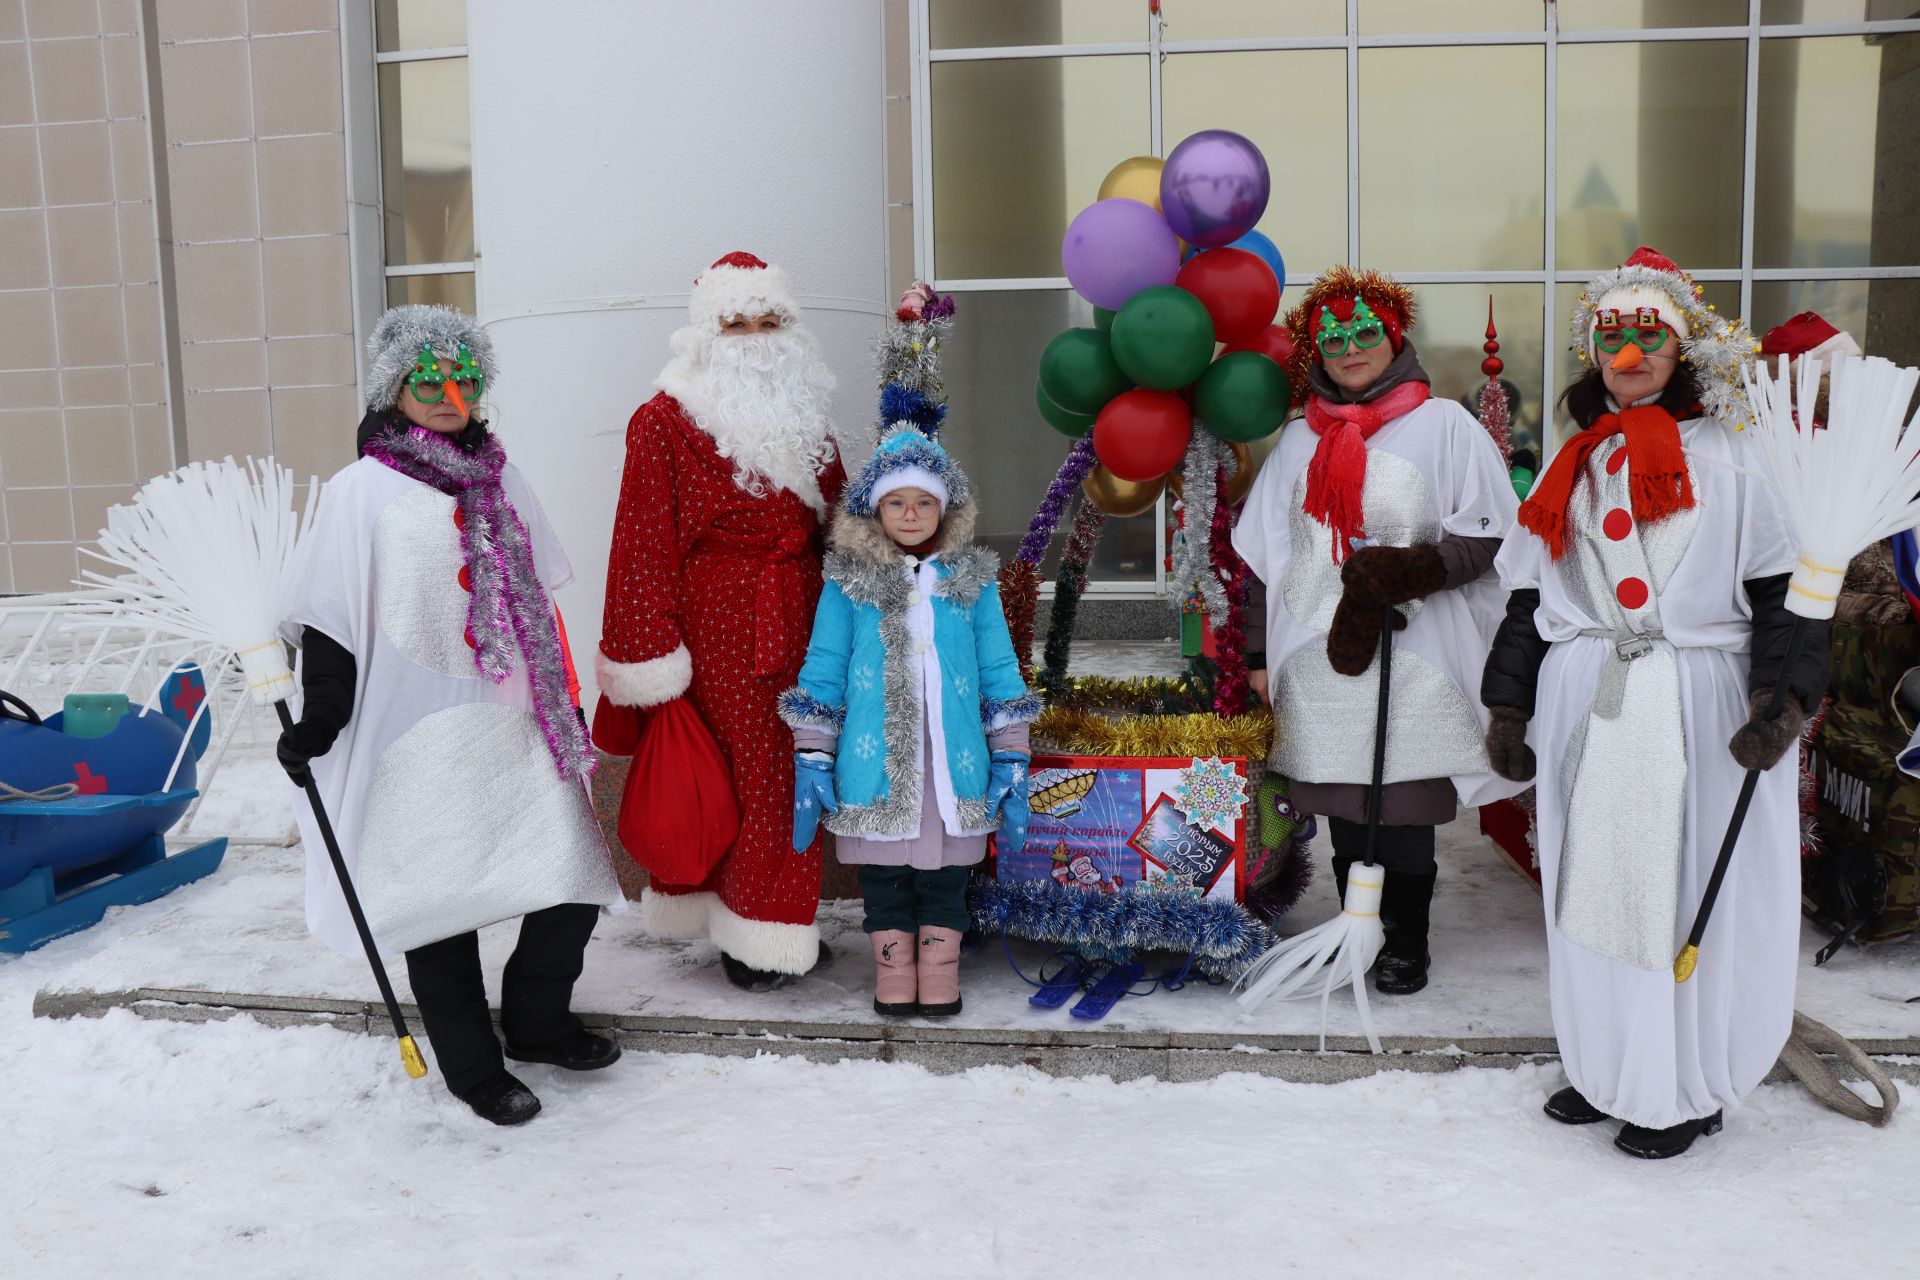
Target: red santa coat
{"x":710,"y":593}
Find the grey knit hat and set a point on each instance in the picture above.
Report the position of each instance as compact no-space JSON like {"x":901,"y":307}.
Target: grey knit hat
{"x":393,"y":352}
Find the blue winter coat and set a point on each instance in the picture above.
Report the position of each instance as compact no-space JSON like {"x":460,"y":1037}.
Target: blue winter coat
{"x":860,"y":681}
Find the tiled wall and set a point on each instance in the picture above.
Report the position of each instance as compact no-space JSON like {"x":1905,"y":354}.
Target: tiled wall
{"x":260,"y":333}
{"x":82,"y":378}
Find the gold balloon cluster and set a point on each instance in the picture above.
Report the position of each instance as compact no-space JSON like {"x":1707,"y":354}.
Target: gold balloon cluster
{"x":1118,"y":497}
{"x":1135,"y":178}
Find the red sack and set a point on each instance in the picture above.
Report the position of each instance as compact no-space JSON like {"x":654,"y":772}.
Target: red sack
{"x":678,"y":815}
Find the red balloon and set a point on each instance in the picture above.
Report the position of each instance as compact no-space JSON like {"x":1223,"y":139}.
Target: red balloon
{"x":1274,"y":342}
{"x":1141,"y":434}
{"x":1236,"y":287}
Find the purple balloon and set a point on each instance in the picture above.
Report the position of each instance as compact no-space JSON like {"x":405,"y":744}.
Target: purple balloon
{"x":1214,"y":188}
{"x":1115,"y":248}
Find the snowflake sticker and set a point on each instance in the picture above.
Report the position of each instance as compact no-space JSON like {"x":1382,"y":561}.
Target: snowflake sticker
{"x":865,"y":747}
{"x":961,"y":685}
{"x":863,"y":678}
{"x":1210,"y":793}
{"x":965,"y":760}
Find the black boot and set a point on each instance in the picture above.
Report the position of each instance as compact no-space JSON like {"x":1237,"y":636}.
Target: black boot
{"x":1406,"y":902}
{"x":747,"y":978}
{"x":1664,"y":1144}
{"x":578,"y":1050}
{"x":1569,"y":1106}
{"x":501,"y":1099}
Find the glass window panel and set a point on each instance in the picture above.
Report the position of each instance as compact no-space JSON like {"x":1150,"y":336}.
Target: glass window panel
{"x":426,"y":162}
{"x":1294,"y":107}
{"x":1882,"y":315}
{"x":1009,"y":452}
{"x":1834,"y":130}
{"x":980,"y":24}
{"x":1019,"y":147}
{"x":1640,"y":15}
{"x":1783,"y":11}
{"x":1672,"y":179}
{"x":454,"y":290}
{"x":419,"y":24}
{"x":1251,"y":19}
{"x":1424,"y":17}
{"x":1721,"y":294}
{"x":1451,"y":333}
{"x":1452,"y":142}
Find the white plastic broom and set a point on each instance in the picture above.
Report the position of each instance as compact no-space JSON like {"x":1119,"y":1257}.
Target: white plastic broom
{"x":214,"y":553}
{"x":1842,"y":488}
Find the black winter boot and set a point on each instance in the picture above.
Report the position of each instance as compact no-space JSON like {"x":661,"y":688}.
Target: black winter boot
{"x":1570,"y":1106}
{"x":1406,"y":903}
{"x":1664,"y":1144}
{"x":501,"y":1099}
{"x":578,"y":1050}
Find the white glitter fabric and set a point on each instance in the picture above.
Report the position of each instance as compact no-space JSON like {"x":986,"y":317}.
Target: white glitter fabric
{"x":416,"y":583}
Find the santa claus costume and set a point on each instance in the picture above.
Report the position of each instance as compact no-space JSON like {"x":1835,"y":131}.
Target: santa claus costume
{"x":1643,"y":636}
{"x":436,"y":718}
{"x":1380,"y":496}
{"x":712,"y":580}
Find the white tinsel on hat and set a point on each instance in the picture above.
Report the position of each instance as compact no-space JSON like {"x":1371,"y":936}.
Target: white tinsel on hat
{"x":1716,"y":347}
{"x":740,"y":285}
{"x":394,"y":348}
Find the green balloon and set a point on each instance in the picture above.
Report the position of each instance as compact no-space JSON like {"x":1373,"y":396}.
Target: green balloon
{"x":1163,"y":337}
{"x":1102,"y":319}
{"x":1078,"y":373}
{"x":1242,"y":397}
{"x":1065,"y":421}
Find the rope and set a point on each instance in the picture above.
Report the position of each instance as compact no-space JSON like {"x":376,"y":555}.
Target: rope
{"x":58,"y":791}
{"x":1809,"y":1040}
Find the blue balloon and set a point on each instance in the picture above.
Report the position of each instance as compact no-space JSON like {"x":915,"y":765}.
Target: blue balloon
{"x":1255,"y":242}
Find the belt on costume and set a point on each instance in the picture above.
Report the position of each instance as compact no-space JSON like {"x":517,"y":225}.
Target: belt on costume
{"x":1628,"y":647}
{"x":778,"y":592}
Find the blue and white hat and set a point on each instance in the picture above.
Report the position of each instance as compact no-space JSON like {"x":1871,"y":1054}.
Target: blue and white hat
{"x":906,"y":460}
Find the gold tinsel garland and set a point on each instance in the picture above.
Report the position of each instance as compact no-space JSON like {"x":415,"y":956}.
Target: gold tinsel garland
{"x":1078,"y":731}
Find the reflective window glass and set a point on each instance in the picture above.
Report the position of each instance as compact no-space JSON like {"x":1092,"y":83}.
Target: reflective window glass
{"x":1252,"y":19}
{"x":426,"y":162}
{"x":1423,"y":17}
{"x":1294,"y":107}
{"x":1019,"y":147}
{"x":1451,"y":168}
{"x":1651,"y":138}
{"x":1451,"y":334}
{"x":1833,"y":130}
{"x":454,"y":289}
{"x":1784,"y":11}
{"x":1723,"y":295}
{"x":1009,"y":452}
{"x":1882,"y":315}
{"x":1641,"y":15}
{"x":976,"y":24}
{"x":419,"y":24}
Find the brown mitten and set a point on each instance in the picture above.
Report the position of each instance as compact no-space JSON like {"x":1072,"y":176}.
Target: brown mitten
{"x":1394,"y":575}
{"x":1354,"y":638}
{"x":1760,"y":742}
{"x":1507,"y":749}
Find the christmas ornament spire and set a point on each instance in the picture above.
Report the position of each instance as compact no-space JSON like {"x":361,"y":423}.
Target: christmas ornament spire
{"x":911,"y":391}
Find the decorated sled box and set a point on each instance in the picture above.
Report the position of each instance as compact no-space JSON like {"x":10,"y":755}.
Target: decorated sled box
{"x":1106,"y":823}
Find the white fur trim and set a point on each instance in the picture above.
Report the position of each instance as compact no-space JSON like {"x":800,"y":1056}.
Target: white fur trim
{"x":725,"y":292}
{"x":676,"y":915}
{"x":1632,"y":299}
{"x":763,"y":944}
{"x":909,"y":478}
{"x":644,"y":684}
{"x":1840,"y":344}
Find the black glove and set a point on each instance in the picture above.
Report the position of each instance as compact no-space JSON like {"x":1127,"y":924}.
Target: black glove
{"x":328,"y":676}
{"x":301,"y":744}
{"x":1507,"y":749}
{"x":1760,"y":743}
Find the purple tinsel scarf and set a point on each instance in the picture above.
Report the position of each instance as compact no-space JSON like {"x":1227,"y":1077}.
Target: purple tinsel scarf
{"x":509,"y":609}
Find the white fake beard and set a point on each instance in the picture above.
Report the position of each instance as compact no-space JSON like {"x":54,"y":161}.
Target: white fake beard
{"x":764,"y":400}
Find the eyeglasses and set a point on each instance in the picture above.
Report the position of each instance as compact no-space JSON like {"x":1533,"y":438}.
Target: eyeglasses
{"x":1645,"y":330}
{"x":435,"y":392}
{"x":1335,"y":342}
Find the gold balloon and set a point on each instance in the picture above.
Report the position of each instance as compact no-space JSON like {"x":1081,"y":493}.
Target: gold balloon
{"x":1118,"y":497}
{"x":1239,"y":480}
{"x":1135,"y":178}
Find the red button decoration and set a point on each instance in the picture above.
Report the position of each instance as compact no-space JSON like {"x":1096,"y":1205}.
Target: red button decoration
{"x":1632,"y":592}
{"x":459,"y":519}
{"x":466,"y":579}
{"x":1617,"y":525}
{"x":1617,"y":460}
{"x":467,"y":635}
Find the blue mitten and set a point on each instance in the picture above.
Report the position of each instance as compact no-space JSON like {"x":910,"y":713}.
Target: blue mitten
{"x":812,"y":796}
{"x":1007,"y":797}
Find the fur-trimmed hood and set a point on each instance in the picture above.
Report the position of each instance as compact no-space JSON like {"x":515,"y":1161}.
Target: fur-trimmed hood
{"x":865,"y":562}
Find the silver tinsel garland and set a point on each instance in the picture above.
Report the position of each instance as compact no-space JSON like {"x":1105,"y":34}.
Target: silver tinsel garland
{"x":1193,"y":571}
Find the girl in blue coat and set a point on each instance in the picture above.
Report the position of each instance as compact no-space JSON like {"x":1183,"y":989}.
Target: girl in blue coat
{"x":910,"y":717}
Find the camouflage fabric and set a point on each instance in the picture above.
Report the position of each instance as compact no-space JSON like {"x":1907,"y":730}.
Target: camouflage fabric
{"x":1862,"y":870}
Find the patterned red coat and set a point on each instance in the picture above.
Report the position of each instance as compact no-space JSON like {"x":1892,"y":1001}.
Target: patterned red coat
{"x":710,"y":594}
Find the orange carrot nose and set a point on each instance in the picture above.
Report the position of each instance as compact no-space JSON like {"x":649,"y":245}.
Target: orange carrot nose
{"x":1630,"y":357}
{"x":460,"y":401}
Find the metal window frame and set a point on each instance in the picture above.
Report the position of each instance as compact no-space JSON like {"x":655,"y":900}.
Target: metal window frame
{"x":1157,"y":47}
{"x":443,"y":53}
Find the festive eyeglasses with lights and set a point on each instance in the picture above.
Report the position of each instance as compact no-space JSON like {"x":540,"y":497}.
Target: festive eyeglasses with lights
{"x":1614,"y":329}
{"x":1363,"y":330}
{"x":430,"y":385}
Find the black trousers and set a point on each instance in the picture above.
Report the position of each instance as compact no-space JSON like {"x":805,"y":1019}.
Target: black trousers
{"x":536,"y":991}
{"x":902,"y":898}
{"x":1408,"y":850}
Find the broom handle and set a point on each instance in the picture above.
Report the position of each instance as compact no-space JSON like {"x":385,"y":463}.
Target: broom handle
{"x":409,"y":1051}
{"x":1377,"y":789}
{"x":1683,"y":964}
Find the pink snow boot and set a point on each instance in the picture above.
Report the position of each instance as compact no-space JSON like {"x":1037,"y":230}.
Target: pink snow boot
{"x":939,"y":971}
{"x":895,"y":984}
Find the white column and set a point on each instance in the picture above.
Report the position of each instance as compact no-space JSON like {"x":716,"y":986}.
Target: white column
{"x":619,"y":148}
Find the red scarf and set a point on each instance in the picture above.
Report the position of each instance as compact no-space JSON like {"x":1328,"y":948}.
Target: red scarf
{"x":1337,"y":476}
{"x":1657,"y":471}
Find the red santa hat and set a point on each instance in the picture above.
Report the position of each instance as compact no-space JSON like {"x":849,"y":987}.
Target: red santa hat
{"x":1807,"y":334}
{"x":1658,"y":284}
{"x":740,"y":285}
